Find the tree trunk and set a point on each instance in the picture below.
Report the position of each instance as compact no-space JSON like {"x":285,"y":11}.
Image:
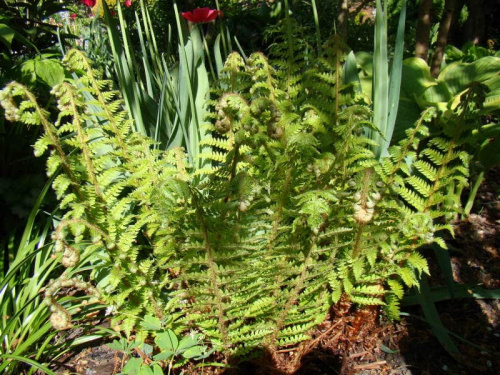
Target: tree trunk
{"x":456,"y":35}
{"x":343,"y":17}
{"x":477,"y":21}
{"x":423,"y":29}
{"x":442,"y":38}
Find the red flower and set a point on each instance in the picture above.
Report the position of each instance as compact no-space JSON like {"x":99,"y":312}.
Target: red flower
{"x":89,"y":3}
{"x":128,"y":3}
{"x":73,"y":16}
{"x":202,"y":15}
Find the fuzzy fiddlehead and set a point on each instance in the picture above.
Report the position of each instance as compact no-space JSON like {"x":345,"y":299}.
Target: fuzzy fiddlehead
{"x":60,"y":318}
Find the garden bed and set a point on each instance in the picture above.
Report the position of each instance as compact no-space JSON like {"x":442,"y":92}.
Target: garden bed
{"x":274,"y":210}
{"x":342,"y":345}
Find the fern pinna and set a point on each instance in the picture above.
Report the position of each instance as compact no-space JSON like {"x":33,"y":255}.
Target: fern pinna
{"x":289,"y":211}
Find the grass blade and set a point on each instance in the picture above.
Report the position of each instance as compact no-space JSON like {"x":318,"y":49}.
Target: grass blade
{"x":31,"y":219}
{"x":316,"y":24}
{"x":432,"y":316}
{"x":380,"y":78}
{"x":458,"y":337}
{"x":219,"y":64}
{"x":242,"y":53}
{"x":443,"y":293}
{"x":28,"y":361}
{"x":395,"y":81}
{"x":444,"y":262}
{"x":124,"y":68}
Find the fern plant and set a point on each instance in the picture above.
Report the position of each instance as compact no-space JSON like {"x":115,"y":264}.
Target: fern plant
{"x":292,"y":212}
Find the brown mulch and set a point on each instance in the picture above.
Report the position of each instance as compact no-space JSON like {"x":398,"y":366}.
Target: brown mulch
{"x":475,"y":258}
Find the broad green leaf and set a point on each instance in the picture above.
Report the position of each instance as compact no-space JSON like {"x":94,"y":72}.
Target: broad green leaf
{"x":117,"y":345}
{"x":408,"y":114}
{"x":157,"y":369}
{"x":416,"y":77}
{"x":151,"y":323}
{"x":365,"y":61}
{"x":438,"y":93}
{"x":350,"y":72}
{"x":167,"y":340}
{"x":6,"y":35}
{"x":194,"y":351}
{"x":492,"y":101}
{"x":28,"y":71}
{"x":187,"y":342}
{"x":457,"y":76}
{"x":204,"y":353}
{"x":145,"y":370}
{"x":133,"y":366}
{"x":164,"y":355}
{"x":147,"y":349}
{"x":49,"y":71}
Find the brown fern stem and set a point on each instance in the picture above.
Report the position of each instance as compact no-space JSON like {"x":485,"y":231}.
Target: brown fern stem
{"x":281,"y":320}
{"x":77,"y":122}
{"x":48,"y":127}
{"x":337,"y":82}
{"x":367,"y":176}
{"x":212,"y":271}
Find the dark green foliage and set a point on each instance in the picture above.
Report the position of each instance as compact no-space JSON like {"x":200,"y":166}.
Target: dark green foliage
{"x":292,"y":212}
{"x":29,"y":53}
{"x":28,"y":29}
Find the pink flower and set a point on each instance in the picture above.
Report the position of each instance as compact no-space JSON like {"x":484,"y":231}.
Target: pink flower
{"x":89,"y":3}
{"x":202,"y":15}
{"x":128,"y":3}
{"x":73,"y":16}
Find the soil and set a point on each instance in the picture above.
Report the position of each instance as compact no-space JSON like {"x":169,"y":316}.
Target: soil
{"x":353,"y":342}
